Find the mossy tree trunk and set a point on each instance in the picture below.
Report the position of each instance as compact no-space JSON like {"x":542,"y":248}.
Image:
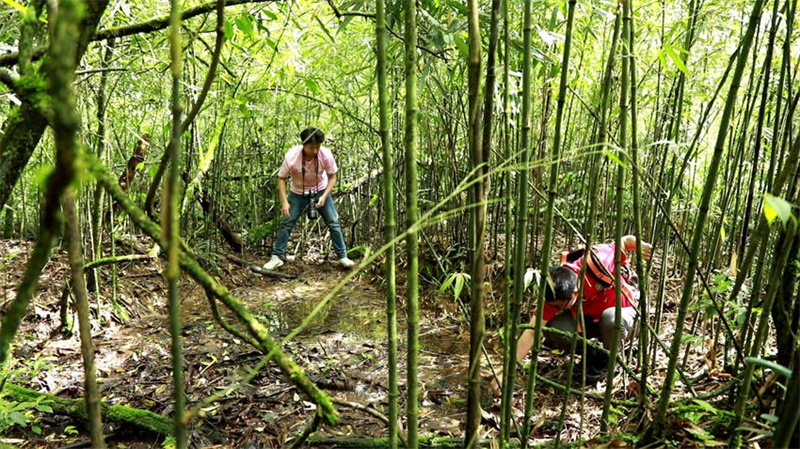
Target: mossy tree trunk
{"x":24,"y":126}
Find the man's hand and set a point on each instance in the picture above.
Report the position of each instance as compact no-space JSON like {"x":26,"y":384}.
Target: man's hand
{"x":629,"y":244}
{"x":285,"y":209}
{"x":647,"y":250}
{"x":321,"y":201}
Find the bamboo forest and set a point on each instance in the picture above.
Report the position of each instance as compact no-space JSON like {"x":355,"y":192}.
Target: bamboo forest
{"x":413,"y":223}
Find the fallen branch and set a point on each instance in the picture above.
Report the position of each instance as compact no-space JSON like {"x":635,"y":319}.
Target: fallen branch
{"x":595,"y":346}
{"x":577,"y":392}
{"x":370,"y":411}
{"x":380,"y":443}
{"x":118,"y":259}
{"x":257,"y":269}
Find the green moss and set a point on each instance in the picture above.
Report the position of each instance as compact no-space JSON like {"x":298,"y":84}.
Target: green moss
{"x":716,"y":421}
{"x":33,"y":90}
{"x":33,"y":82}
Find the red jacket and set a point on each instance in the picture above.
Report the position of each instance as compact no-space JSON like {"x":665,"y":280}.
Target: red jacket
{"x":596,"y":298}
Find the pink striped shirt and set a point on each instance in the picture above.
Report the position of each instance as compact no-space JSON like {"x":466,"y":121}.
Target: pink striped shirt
{"x":316,"y":170}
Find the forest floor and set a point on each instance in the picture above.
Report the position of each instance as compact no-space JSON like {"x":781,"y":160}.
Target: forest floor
{"x":343,"y":350}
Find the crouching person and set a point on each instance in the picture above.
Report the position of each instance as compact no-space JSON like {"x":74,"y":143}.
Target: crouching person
{"x":560,"y":310}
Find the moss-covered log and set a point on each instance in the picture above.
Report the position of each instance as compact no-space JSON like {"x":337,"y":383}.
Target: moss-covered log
{"x":76,"y":408}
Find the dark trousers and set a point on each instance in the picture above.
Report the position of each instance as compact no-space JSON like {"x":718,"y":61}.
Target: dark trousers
{"x":603,"y":330}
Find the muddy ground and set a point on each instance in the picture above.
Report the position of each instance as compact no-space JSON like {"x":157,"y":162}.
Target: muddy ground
{"x":343,"y":350}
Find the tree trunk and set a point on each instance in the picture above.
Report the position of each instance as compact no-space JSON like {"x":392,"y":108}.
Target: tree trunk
{"x":390,"y":226}
{"x":412,"y":216}
{"x":478,"y":269}
{"x":25,"y":126}
{"x":171,"y":227}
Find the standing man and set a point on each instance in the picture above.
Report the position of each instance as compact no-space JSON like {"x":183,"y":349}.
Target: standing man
{"x":313,"y":170}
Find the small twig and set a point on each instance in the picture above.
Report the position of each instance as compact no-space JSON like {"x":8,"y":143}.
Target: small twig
{"x":311,"y":428}
{"x":100,"y":70}
{"x":340,"y":14}
{"x":370,"y":411}
{"x":578,"y":392}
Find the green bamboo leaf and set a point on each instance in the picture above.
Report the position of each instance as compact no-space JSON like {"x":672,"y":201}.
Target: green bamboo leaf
{"x":245,"y":24}
{"x":613,"y":156}
{"x":672,"y":51}
{"x":228,"y":29}
{"x":705,"y":405}
{"x":771,"y":418}
{"x":461,"y":44}
{"x":324,"y":29}
{"x":312,"y":86}
{"x":459,"y":285}
{"x":779,"y":369}
{"x":775,"y":207}
{"x":458,"y":6}
{"x":447,"y":282}
{"x":14,"y":4}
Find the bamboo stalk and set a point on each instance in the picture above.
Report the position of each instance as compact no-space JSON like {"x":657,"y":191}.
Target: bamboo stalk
{"x":698,"y":235}
{"x":522,"y":201}
{"x":389,"y":221}
{"x":412,"y":216}
{"x":73,"y":231}
{"x":620,"y":182}
{"x":171,"y":226}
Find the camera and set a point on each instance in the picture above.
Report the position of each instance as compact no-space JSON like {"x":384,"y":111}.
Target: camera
{"x":313,"y":213}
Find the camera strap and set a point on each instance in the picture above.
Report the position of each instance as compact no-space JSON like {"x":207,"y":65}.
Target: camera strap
{"x":303,"y":170}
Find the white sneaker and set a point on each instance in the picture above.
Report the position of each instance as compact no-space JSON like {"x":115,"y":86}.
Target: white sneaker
{"x":274,"y":262}
{"x":345,"y":262}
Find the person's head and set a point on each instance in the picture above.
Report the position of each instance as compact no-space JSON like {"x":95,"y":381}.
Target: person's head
{"x":311,"y":139}
{"x":562,"y":288}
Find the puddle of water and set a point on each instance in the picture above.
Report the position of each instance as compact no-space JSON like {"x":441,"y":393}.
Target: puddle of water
{"x":362,"y":314}
{"x":355,"y":312}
